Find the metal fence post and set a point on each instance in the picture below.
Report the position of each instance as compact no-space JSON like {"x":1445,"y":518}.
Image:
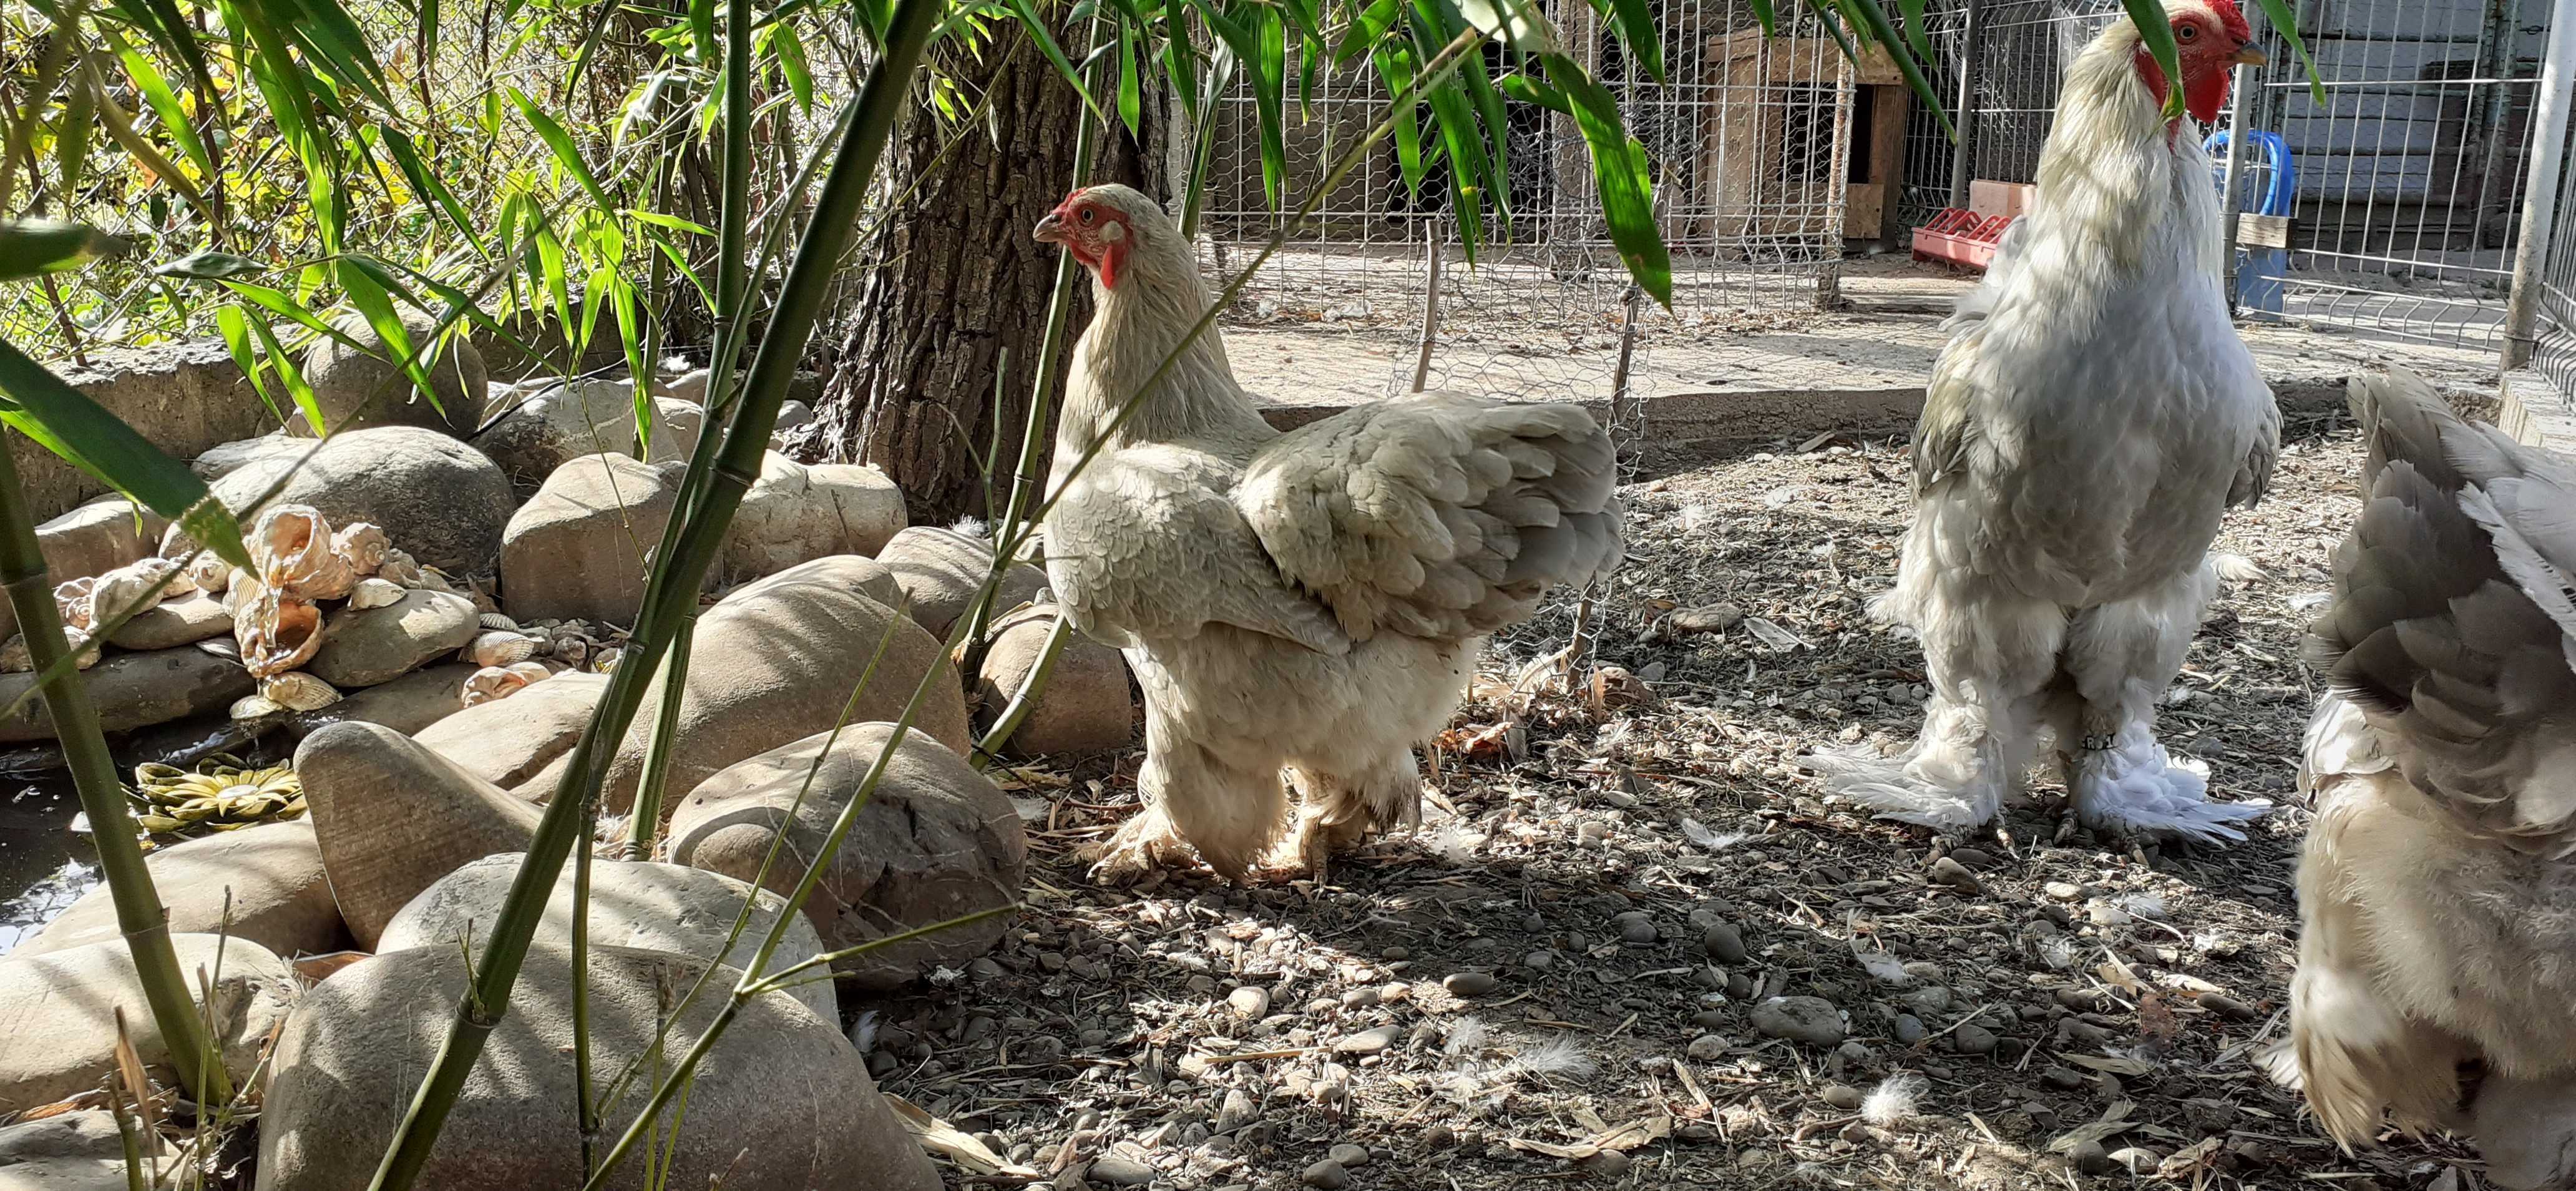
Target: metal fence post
{"x":2240,"y":118}
{"x":1963,"y":156}
{"x":2541,"y":196}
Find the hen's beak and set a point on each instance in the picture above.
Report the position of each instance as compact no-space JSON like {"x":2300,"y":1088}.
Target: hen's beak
{"x":2249,"y":56}
{"x":1050,"y":230}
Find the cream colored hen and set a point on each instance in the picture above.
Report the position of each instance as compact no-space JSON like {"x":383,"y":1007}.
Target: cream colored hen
{"x":2437,"y":960}
{"x":1311,"y":601}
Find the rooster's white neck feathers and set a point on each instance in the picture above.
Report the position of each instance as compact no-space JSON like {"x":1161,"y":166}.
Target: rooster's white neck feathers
{"x":1159,"y":297}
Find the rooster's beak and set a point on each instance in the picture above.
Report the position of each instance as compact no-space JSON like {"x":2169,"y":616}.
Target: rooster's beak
{"x":2249,"y":56}
{"x":1050,"y":230}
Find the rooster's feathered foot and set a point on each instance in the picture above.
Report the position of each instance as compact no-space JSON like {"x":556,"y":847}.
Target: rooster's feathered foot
{"x":2127,"y":784}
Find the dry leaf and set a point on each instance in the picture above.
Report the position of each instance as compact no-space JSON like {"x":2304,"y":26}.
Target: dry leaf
{"x":317,"y":968}
{"x":2121,"y":1066}
{"x":2115,"y":1120}
{"x":2189,"y":1160}
{"x":940,"y":1137}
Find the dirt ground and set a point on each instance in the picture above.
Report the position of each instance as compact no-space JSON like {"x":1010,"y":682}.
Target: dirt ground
{"x":1558,"y":979}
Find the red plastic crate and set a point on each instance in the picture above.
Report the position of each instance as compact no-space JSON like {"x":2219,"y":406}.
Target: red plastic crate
{"x":1960,"y":236}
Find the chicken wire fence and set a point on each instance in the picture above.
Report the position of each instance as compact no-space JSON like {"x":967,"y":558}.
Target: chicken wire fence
{"x":2405,"y":184}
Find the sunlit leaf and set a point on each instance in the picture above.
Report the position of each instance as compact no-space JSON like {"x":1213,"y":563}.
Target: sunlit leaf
{"x":297,"y":389}
{"x":1515,"y":23}
{"x":33,"y":247}
{"x":235,"y":327}
{"x":567,"y":154}
{"x":2286,"y":23}
{"x":210,"y":265}
{"x":427,"y":182}
{"x":2149,"y":17}
{"x":71,"y":146}
{"x":1130,"y":93}
{"x":368,"y":296}
{"x":61,"y":419}
{"x":1619,"y":172}
{"x":1642,"y":36}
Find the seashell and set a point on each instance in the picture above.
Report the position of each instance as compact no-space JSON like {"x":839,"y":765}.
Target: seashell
{"x":251,"y":707}
{"x":532,"y":671}
{"x":72,"y":599}
{"x":608,"y":659}
{"x":292,"y":545}
{"x":211,"y":573}
{"x":129,"y":589}
{"x":495,"y":620}
{"x":372,"y":592}
{"x":493,"y":682}
{"x":298,"y":691}
{"x":239,"y":591}
{"x":361,"y":545}
{"x":438,"y":580}
{"x":16,"y":658}
{"x":497,"y":649}
{"x":572,"y":649}
{"x":277,"y":632}
{"x":399,"y":567}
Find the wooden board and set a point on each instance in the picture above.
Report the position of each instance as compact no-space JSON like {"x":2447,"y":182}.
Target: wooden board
{"x":2263,"y":231}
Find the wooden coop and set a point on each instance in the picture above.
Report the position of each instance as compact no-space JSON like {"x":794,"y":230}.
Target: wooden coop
{"x":1780,"y":126}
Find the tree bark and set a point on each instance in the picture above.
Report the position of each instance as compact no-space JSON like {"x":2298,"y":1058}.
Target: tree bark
{"x":958,"y":284}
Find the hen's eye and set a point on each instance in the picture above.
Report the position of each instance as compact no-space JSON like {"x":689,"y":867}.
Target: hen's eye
{"x":1086,"y":216}
{"x":2188,"y":32}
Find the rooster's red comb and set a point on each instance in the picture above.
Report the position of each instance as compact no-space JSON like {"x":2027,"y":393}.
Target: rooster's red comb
{"x":2232,"y":20}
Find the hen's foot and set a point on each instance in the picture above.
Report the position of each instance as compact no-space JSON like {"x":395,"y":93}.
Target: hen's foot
{"x":1143,"y":844}
{"x":1909,"y":791}
{"x":2128,"y":784}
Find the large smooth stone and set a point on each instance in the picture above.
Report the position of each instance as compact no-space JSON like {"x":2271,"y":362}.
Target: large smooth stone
{"x":556,"y":425}
{"x":941,"y":570}
{"x":776,"y":661}
{"x":505,"y":359}
{"x":935,"y":841}
{"x":271,"y":874}
{"x":135,"y":690}
{"x":507,"y":741}
{"x":780,"y":1103}
{"x":407,"y":704}
{"x":436,"y":498}
{"x":633,"y":903}
{"x":71,"y":1151}
{"x":358,"y":390}
{"x":675,"y":431}
{"x":796,"y":514}
{"x":393,"y":817}
{"x":1086,"y":705}
{"x":58,"y":1013}
{"x":173,"y":623}
{"x":576,"y":550}
{"x":377,"y":645}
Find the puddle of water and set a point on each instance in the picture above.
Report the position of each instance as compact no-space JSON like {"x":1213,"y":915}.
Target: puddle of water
{"x":44,"y":867}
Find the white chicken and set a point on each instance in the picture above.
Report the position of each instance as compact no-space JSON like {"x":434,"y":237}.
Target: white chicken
{"x":2093,"y":415}
{"x":1311,"y":601}
{"x":2437,"y":897}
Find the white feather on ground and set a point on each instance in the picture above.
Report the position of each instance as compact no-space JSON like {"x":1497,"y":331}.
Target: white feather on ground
{"x":1893,"y":1101}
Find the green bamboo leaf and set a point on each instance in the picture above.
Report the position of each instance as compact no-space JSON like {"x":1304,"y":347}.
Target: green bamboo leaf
{"x":1619,"y":172}
{"x":66,"y":422}
{"x":297,"y":389}
{"x":2286,"y":23}
{"x":160,"y":21}
{"x":71,"y":144}
{"x":1269,"y":62}
{"x":280,"y":303}
{"x":1395,"y":64}
{"x":790,"y":49}
{"x":1515,"y":23}
{"x":673,"y":222}
{"x":33,"y":247}
{"x":566,"y":153}
{"x":1181,"y":66}
{"x":368,"y":296}
{"x":2149,"y":17}
{"x":1645,"y":39}
{"x":165,"y":104}
{"x":1036,"y":27}
{"x":426,"y":182}
{"x":1131,"y":107}
{"x":209,"y":265}
{"x":1874,"y":19}
{"x":236,"y":331}
{"x":1915,"y":35}
{"x":120,"y":128}
{"x":702,"y":31}
{"x":1765,"y":17}
{"x":325,"y":29}
{"x":1365,"y":31}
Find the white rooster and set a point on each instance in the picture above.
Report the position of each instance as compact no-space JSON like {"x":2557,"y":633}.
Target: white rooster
{"x":2437,"y":897}
{"x":1310,"y":601}
{"x":2092,"y":416}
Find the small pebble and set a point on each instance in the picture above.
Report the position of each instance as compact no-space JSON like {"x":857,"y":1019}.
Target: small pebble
{"x":1118,"y":1170}
{"x":1439,"y":1137}
{"x":1328,"y":1175}
{"x":1724,"y":943}
{"x":1842,"y":1096}
{"x":2064,"y":891}
{"x":1707,"y":1048}
{"x":1636,"y":931}
{"x":2090,"y":1157}
{"x":1909,"y":1029}
{"x":1538,"y":959}
{"x":1352,"y":1156}
{"x":1973,"y":1040}
{"x":1250,"y":1002}
{"x":1608,"y":1164}
{"x":1470,"y":984}
{"x":1367,"y":1042}
{"x":1709,"y":1020}
{"x":1956,"y":875}
{"x":1393,"y":953}
{"x":1812,"y":1020}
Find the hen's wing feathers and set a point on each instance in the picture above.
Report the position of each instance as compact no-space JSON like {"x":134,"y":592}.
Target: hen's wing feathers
{"x":2442,"y":630}
{"x":1439,"y":515}
{"x":1140,"y":546}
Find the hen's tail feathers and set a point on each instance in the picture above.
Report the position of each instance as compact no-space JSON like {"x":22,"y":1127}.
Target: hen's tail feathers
{"x":2450,"y":626}
{"x":1954,"y":778}
{"x":2354,"y":1057}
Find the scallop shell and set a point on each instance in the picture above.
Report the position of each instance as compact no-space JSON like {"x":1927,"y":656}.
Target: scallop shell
{"x":498,"y":649}
{"x":292,"y":544}
{"x":495,"y":620}
{"x":372,"y":592}
{"x":243,"y":588}
{"x":211,"y":573}
{"x":15,"y":658}
{"x":361,"y":545}
{"x":399,"y":567}
{"x":298,"y":691}
{"x":492,"y":682}
{"x":277,"y":633}
{"x":72,"y":599}
{"x":251,"y":707}
{"x":130,"y":589}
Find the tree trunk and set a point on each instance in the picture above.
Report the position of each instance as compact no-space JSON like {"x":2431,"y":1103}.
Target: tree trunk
{"x":959,"y":284}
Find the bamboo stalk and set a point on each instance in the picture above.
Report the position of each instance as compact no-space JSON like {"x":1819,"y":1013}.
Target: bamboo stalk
{"x":646,"y":820}
{"x":139,"y":913}
{"x":1024,"y":699}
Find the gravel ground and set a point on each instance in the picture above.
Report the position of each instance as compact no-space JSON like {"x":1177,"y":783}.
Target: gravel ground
{"x":1567,"y":975}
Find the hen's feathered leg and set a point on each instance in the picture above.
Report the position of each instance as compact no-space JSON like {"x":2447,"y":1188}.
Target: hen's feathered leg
{"x":1337,"y":811}
{"x":1229,"y":813}
{"x":2122,"y":656}
{"x":1988,"y":655}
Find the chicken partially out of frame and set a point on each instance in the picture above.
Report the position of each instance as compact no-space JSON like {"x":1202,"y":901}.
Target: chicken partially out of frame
{"x":2437,"y":896}
{"x":2092,"y":417}
{"x":1312,"y":601}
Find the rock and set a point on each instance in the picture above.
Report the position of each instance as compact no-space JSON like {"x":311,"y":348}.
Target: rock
{"x":795,"y":514}
{"x":940,"y":570}
{"x":537,"y":433}
{"x":781,"y":1085}
{"x":1119,"y":1170}
{"x":506,"y":360}
{"x":633,"y":903}
{"x":378,"y":645}
{"x":1086,"y":706}
{"x":1909,"y":1029}
{"x":407,"y":705}
{"x":58,"y":1012}
{"x":1955,"y":875}
{"x":437,"y":499}
{"x":575,"y":551}
{"x":1973,"y":1039}
{"x":225,"y":458}
{"x":2089,"y":1157}
{"x":1707,"y":1048}
{"x":357,"y":390}
{"x":134,"y":690}
{"x":393,"y":817}
{"x":1367,"y":1042}
{"x":1707,"y":618}
{"x":1469,"y":984}
{"x":2065,"y":891}
{"x":775,"y":662}
{"x":1637,"y":928}
{"x":72,"y":1151}
{"x":93,"y":539}
{"x":272,"y":873}
{"x":1724,"y":943}
{"x":1250,"y":1002}
{"x":1327,"y":1174}
{"x":1812,"y":1020}
{"x":1607,"y":1165}
{"x":935,"y":841}
{"x":1841,"y":1096}
{"x":1353,"y":1156}
{"x":675,"y":432}
{"x":509,"y":741}
{"x":173,"y":623}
